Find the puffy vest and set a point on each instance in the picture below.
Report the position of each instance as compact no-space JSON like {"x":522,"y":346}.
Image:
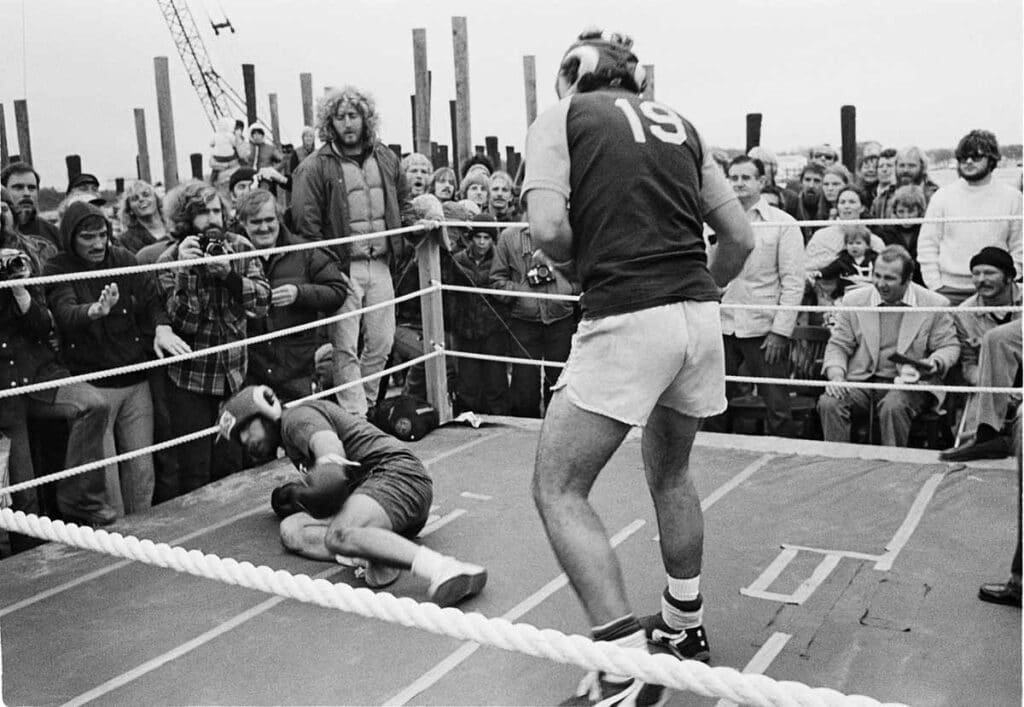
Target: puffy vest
{"x":365,"y":194}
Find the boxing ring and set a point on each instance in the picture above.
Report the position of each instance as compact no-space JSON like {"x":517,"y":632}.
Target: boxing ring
{"x":831,"y":571}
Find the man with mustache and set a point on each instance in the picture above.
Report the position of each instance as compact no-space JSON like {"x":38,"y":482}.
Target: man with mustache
{"x":354,"y":185}
{"x":911,"y":168}
{"x":417,"y":168}
{"x":22,"y":181}
{"x":944,"y":248}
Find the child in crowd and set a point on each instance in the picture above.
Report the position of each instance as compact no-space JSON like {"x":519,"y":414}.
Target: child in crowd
{"x":855,"y":265}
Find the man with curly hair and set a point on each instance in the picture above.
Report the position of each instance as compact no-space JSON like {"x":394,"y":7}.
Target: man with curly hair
{"x":354,"y":185}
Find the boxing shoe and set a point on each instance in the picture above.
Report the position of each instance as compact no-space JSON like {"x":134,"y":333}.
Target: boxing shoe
{"x":454,"y":581}
{"x":1001,"y":593}
{"x":685,"y":644}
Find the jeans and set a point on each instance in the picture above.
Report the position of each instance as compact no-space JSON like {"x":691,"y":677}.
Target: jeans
{"x":550,"y":342}
{"x":371,"y":284}
{"x":130,"y":427}
{"x":190,"y":412}
{"x":483,"y":385}
{"x":84,"y":495}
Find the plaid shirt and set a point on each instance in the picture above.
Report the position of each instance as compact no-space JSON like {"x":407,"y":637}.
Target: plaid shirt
{"x":204,"y":313}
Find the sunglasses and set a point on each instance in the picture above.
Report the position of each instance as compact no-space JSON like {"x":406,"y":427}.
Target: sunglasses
{"x":825,"y":156}
{"x":975,"y":157}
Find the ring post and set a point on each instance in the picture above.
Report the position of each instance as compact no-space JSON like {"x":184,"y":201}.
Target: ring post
{"x":428,"y":258}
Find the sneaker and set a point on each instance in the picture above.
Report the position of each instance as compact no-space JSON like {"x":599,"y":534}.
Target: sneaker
{"x":376,"y":575}
{"x":595,"y":690}
{"x":686,"y":644}
{"x":1001,"y":593}
{"x":456,"y":581}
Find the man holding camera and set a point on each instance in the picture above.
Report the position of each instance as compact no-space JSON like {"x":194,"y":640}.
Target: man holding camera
{"x":540,"y":328}
{"x":209,"y":305}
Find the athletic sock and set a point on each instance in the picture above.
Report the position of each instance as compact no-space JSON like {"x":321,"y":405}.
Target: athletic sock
{"x":679,"y":614}
{"x":427,"y":563}
{"x":625,"y":633}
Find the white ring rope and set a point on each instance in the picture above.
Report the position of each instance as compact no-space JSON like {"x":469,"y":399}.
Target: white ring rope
{"x":199,"y":434}
{"x":811,"y":222}
{"x":693,"y":676}
{"x":157,"y":363}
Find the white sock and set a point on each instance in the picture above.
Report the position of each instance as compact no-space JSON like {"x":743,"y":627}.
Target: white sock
{"x":637,"y":639}
{"x":427,"y":563}
{"x":684,"y":589}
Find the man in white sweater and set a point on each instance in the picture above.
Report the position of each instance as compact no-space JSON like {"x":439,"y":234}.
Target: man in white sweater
{"x":944,"y":250}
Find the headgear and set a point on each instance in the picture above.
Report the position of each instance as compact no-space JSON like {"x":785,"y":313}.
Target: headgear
{"x":997,"y":258}
{"x":249,"y":402}
{"x":601,"y":51}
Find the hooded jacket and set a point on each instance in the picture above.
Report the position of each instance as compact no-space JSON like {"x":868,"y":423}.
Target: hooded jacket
{"x":322,"y":289}
{"x":125,"y":335}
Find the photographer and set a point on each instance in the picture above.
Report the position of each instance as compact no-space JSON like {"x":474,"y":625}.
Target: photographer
{"x":541,"y":328}
{"x":208,"y":305}
{"x":26,"y":357}
{"x":106,"y":323}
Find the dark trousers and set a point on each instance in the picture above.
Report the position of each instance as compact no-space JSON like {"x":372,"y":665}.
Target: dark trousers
{"x":550,"y":342}
{"x":190,"y":412}
{"x":483,"y":385}
{"x":81,"y":496}
{"x":747,"y":352}
{"x":14,"y":426}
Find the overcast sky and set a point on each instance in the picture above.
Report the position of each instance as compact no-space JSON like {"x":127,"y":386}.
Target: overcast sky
{"x":919,"y":71}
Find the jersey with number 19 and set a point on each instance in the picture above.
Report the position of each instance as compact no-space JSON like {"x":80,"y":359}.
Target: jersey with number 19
{"x":638,"y":182}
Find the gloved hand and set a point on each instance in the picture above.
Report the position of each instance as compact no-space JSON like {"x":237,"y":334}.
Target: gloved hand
{"x":285,"y":500}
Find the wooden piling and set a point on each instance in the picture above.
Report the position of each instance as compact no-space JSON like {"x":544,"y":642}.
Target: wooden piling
{"x":5,"y":155}
{"x":753,"y":131}
{"x":421,"y":101}
{"x":165,"y":114}
{"x":249,"y":81}
{"x":412,"y":109}
{"x":119,"y":185}
{"x":428,"y":259}
{"x":511,"y":166}
{"x":460,"y":47}
{"x":196,"y":163}
{"x":648,"y":93}
{"x":397,"y":149}
{"x":493,"y":152}
{"x":74,"y":166}
{"x":848,"y":128}
{"x":142,"y":165}
{"x":442,"y":157}
{"x":457,"y":154}
{"x":306,"y":82}
{"x":24,"y":134}
{"x":275,"y":120}
{"x":435,"y":155}
{"x":530,"y":87}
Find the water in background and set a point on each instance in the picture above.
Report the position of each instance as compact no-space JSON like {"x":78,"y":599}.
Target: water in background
{"x":1007,"y":175}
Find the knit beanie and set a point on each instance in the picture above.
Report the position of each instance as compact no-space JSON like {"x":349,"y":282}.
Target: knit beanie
{"x":997,"y":258}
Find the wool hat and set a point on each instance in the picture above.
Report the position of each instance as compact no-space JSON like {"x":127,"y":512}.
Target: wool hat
{"x":242,"y":174}
{"x":997,"y":258}
{"x":81,"y":180}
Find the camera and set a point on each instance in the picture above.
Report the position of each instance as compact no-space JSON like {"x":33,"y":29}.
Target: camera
{"x":14,"y":264}
{"x":539,"y":274}
{"x":211,"y":241}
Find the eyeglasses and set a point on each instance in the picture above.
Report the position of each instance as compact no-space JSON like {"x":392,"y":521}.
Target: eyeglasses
{"x":825,"y":156}
{"x":975,"y":157}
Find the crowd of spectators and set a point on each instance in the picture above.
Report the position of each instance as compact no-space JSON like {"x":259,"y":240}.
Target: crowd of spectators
{"x":343,"y":181}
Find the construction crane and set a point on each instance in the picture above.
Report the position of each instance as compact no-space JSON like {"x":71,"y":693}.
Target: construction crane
{"x":216,"y":95}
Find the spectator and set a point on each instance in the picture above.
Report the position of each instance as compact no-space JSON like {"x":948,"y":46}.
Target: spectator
{"x":307,"y":148}
{"x":855,"y":265}
{"x":808,"y":203}
{"x":862,"y":343}
{"x":142,"y":216}
{"x":38,"y":248}
{"x":417,"y":169}
{"x":943,"y":248}
{"x":304,"y":285}
{"x":1009,"y":592}
{"x":443,"y":184}
{"x":993,"y":273}
{"x":541,"y":329}
{"x":227,"y":150}
{"x":25,"y":332}
{"x":835,"y":178}
{"x":23,"y":183}
{"x":87,"y":185}
{"x":501,"y":201}
{"x":786,"y":197}
{"x":208,"y":305}
{"x":824,"y":155}
{"x":827,"y":243}
{"x":479,"y":325}
{"x":106,"y":323}
{"x":911,"y":168}
{"x":773,"y":274}
{"x":867,"y":172}
{"x":886,"y":170}
{"x":907,"y":202}
{"x":475,"y":187}
{"x":352,"y":186}
{"x":262,"y":152}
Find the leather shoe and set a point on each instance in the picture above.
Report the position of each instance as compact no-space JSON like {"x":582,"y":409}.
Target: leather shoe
{"x":1001,"y":593}
{"x":995,"y":448}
